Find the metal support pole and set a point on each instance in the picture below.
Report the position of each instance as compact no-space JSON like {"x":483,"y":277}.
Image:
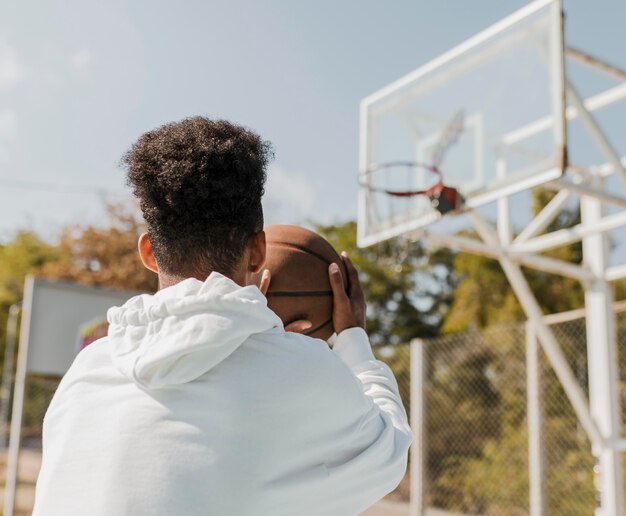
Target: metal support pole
{"x":602,"y":357}
{"x":545,"y":217}
{"x":505,"y":227}
{"x":18,"y":401}
{"x":7,"y":373}
{"x":568,"y":236}
{"x":549,"y":343}
{"x":615,"y":273}
{"x":596,"y":63}
{"x":596,"y":133}
{"x":608,"y":198}
{"x":418,"y":449}
{"x":536,"y":427}
{"x":542,"y":263}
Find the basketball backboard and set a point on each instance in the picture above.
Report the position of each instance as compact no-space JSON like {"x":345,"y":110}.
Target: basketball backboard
{"x":507,"y":84}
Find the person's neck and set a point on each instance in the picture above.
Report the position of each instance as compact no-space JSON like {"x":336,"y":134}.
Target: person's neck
{"x":168,"y":280}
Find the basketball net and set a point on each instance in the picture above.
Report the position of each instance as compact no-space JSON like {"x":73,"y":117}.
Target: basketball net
{"x":442,"y":198}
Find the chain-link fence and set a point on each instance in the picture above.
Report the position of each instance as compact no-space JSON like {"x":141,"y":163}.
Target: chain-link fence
{"x":475,"y":423}
{"x":475,"y":426}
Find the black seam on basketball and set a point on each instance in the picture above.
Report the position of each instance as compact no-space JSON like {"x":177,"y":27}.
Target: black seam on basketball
{"x":321,"y":293}
{"x":308,"y":332}
{"x":301,"y":248}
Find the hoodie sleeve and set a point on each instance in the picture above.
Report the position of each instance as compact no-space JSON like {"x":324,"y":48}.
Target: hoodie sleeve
{"x":377,"y":459}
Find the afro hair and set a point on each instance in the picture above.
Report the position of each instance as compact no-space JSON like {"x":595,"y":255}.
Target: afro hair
{"x":199,"y":183}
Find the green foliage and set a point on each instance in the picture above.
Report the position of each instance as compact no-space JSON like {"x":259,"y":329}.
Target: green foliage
{"x":407,"y":290}
{"x":23,"y":255}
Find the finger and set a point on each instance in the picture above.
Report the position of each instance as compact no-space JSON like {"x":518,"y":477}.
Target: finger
{"x":336,"y":284}
{"x":354,"y":283}
{"x":343,"y":317}
{"x":299,"y":326}
{"x":265,"y":281}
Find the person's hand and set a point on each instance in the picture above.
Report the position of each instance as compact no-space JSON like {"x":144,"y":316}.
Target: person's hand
{"x":348,"y":308}
{"x":299,"y":326}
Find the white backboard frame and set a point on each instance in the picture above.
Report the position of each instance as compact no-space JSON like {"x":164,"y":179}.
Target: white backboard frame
{"x":365,"y":234}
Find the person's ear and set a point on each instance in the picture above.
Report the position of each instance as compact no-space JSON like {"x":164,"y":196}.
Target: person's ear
{"x":147,"y":254}
{"x":257,"y":252}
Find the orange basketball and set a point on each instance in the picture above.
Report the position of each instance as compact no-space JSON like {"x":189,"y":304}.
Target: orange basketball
{"x":298,"y":260}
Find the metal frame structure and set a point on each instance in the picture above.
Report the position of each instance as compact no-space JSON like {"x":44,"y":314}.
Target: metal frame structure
{"x":537,"y":174}
{"x":600,"y":416}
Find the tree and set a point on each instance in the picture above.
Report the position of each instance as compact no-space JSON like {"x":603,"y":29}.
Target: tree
{"x":104,"y":256}
{"x":25,"y":254}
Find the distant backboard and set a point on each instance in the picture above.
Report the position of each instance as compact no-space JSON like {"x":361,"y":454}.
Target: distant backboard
{"x":508,"y":84}
{"x":57,"y":319}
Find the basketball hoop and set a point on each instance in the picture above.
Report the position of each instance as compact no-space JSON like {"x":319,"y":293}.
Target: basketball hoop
{"x":442,"y":198}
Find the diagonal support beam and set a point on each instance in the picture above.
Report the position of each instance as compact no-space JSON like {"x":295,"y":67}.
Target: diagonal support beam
{"x":544,"y":218}
{"x":542,"y":263}
{"x":562,"y":185}
{"x":595,"y":63}
{"x":548,"y":341}
{"x":596,"y":132}
{"x":568,"y":236}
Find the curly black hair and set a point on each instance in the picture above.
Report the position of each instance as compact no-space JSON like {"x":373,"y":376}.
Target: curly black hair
{"x":199,"y":183}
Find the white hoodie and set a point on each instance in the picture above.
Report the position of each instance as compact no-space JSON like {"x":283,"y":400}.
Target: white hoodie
{"x":199,"y":403}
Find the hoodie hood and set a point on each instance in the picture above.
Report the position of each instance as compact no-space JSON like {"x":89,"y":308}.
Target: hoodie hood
{"x":183,"y":331}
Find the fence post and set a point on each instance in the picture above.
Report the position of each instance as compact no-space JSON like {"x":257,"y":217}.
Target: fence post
{"x":10,"y":489}
{"x":7,"y":373}
{"x":535,"y":418}
{"x":602,"y":360}
{"x":418,"y":449}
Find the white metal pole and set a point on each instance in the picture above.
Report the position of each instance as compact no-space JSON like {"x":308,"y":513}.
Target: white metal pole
{"x":595,"y":103}
{"x":568,"y":236}
{"x":608,"y":198}
{"x":549,"y":343}
{"x":418,"y":449}
{"x":545,"y":217}
{"x":505,"y":227}
{"x":617,"y":272}
{"x":596,"y":133}
{"x":602,"y":357}
{"x":363,"y":155}
{"x":536,"y":442}
{"x":539,"y":262}
{"x":7,"y":373}
{"x":596,"y":63}
{"x":18,"y":401}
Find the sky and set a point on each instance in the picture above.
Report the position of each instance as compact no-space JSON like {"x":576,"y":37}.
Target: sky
{"x":80,"y":80}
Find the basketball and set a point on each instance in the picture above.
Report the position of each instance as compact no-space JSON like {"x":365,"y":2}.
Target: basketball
{"x":298,"y":260}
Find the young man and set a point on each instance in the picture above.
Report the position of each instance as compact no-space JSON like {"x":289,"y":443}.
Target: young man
{"x":198,"y":402}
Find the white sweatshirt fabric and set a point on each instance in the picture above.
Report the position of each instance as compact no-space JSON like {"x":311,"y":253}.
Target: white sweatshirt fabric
{"x":199,"y":403}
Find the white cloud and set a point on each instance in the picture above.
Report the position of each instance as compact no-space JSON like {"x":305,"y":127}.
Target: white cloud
{"x":11,"y":68}
{"x":289,"y":197}
{"x":8,"y":123}
{"x":82,"y":58}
